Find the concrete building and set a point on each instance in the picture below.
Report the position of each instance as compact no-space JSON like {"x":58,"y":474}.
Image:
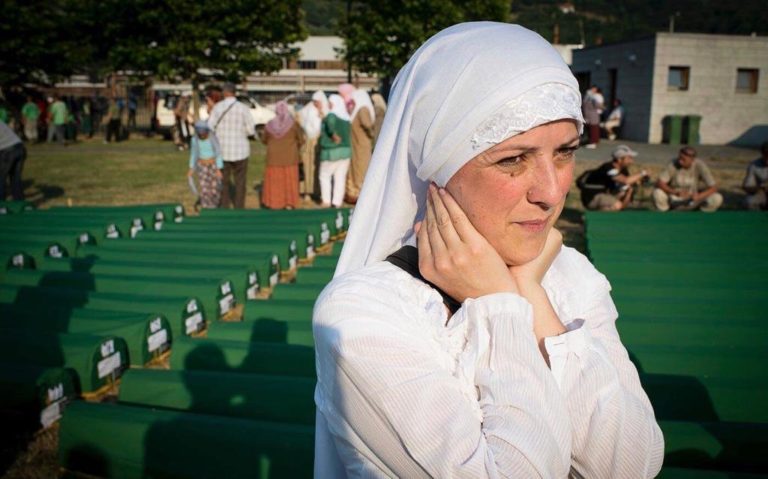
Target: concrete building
{"x":722,"y":78}
{"x":316,"y":68}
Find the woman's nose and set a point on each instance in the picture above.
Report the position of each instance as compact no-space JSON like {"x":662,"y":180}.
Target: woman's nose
{"x":543,"y":188}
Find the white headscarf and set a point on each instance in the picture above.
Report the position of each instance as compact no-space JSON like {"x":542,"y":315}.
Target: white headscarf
{"x":319,"y":95}
{"x":338,"y":107}
{"x":467,"y":88}
{"x":310,"y":120}
{"x":362,"y":100}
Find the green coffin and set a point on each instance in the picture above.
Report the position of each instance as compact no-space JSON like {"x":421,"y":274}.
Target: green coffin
{"x":113,"y":440}
{"x":95,"y":358}
{"x":689,"y":398}
{"x":280,"y":310}
{"x":38,"y":392}
{"x":243,"y":357}
{"x":247,"y":396}
{"x":147,"y":336}
{"x":264,"y":330}
{"x":217,"y":295}
{"x":716,"y":445}
{"x":185,"y":314}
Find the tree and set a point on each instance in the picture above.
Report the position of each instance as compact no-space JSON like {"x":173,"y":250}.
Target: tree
{"x":177,"y":39}
{"x":40,"y":42}
{"x":380,"y":36}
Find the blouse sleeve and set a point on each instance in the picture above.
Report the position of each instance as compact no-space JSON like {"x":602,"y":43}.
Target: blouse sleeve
{"x":615,"y":433}
{"x":389,"y":396}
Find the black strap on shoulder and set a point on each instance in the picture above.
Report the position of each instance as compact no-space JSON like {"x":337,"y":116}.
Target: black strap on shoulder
{"x":407,"y":259}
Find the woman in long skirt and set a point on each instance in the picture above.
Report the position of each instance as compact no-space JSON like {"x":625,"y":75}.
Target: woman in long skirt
{"x":283,"y":138}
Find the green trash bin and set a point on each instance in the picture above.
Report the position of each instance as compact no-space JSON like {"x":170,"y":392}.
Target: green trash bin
{"x":691,"y":125}
{"x":673,"y":129}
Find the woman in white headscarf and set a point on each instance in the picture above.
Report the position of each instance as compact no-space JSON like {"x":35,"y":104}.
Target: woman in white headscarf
{"x":362,"y":131}
{"x":310,"y":118}
{"x":335,"y":151}
{"x":489,"y":350}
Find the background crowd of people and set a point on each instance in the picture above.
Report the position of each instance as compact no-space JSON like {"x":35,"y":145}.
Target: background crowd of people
{"x":315,"y":152}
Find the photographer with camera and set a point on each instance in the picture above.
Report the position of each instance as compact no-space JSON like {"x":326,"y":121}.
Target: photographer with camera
{"x":610,"y":187}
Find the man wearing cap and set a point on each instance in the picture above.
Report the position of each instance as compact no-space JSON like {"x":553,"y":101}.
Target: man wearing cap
{"x":232,"y":123}
{"x":687,"y":184}
{"x":610,"y":187}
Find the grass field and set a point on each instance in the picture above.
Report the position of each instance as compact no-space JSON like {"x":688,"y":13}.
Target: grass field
{"x":130,"y":172}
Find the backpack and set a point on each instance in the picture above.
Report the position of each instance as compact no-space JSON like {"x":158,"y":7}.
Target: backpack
{"x":588,"y":190}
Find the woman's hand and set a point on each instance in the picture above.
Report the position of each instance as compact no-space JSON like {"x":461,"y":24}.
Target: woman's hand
{"x":532,"y":272}
{"x":454,"y":256}
{"x":336,"y":138}
{"x":190,"y":172}
{"x":528,"y":278}
{"x":219,"y":174}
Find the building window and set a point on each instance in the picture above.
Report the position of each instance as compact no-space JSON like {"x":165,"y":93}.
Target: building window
{"x":307,"y":65}
{"x":746,"y":80}
{"x":678,"y":78}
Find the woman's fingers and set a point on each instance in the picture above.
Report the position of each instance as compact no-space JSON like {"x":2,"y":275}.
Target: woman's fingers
{"x":433,"y":233}
{"x":461,"y":224}
{"x":443,"y":218}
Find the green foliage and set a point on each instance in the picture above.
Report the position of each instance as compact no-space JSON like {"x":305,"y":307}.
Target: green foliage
{"x":321,"y":15}
{"x":596,"y":21}
{"x":176,"y":38}
{"x":47,"y":40}
{"x":38,"y":41}
{"x":380,"y":35}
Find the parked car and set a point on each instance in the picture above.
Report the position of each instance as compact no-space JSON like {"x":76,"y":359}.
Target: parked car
{"x":166,"y":120}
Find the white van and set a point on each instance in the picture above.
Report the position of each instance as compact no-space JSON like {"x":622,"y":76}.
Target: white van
{"x":167,"y":100}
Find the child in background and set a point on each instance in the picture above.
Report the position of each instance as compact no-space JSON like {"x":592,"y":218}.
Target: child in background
{"x":205,"y":157}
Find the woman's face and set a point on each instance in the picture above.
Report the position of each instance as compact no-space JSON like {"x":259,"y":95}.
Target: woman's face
{"x":514,"y":192}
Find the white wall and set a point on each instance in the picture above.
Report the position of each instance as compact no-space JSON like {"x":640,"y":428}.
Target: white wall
{"x":728,"y":117}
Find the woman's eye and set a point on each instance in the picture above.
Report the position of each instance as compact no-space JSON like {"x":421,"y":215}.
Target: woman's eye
{"x":567,"y":153}
{"x":511,"y":160}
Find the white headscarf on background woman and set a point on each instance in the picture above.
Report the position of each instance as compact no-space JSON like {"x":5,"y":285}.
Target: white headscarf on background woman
{"x":338,"y":107}
{"x":319,"y":96}
{"x":362,"y":100}
{"x":309,"y":117}
{"x":467,"y":88}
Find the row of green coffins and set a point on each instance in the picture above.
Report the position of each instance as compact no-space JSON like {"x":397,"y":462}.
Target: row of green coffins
{"x":687,"y":288}
{"x":13,"y":207}
{"x":272,"y":382}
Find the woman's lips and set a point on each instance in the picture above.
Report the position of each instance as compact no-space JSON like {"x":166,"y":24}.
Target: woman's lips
{"x":533,"y":226}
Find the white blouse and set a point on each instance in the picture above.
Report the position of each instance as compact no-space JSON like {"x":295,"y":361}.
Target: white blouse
{"x":403,"y":392}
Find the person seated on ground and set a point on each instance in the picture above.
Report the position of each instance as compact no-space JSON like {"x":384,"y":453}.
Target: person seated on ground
{"x":610,"y":187}
{"x":756,"y":182}
{"x":687,"y":184}
{"x":615,"y":119}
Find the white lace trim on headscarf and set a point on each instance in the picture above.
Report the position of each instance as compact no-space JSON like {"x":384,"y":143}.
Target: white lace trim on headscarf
{"x":542,"y":104}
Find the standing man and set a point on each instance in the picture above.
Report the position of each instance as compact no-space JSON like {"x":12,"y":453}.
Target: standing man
{"x":30,"y":113}
{"x":232,"y":123}
{"x":687,"y":184}
{"x":756,"y":182}
{"x":12,"y":156}
{"x":610,"y":187}
{"x":57,"y":116}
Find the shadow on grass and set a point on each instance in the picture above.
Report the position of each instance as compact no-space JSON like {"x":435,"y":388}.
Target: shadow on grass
{"x":40,"y":193}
